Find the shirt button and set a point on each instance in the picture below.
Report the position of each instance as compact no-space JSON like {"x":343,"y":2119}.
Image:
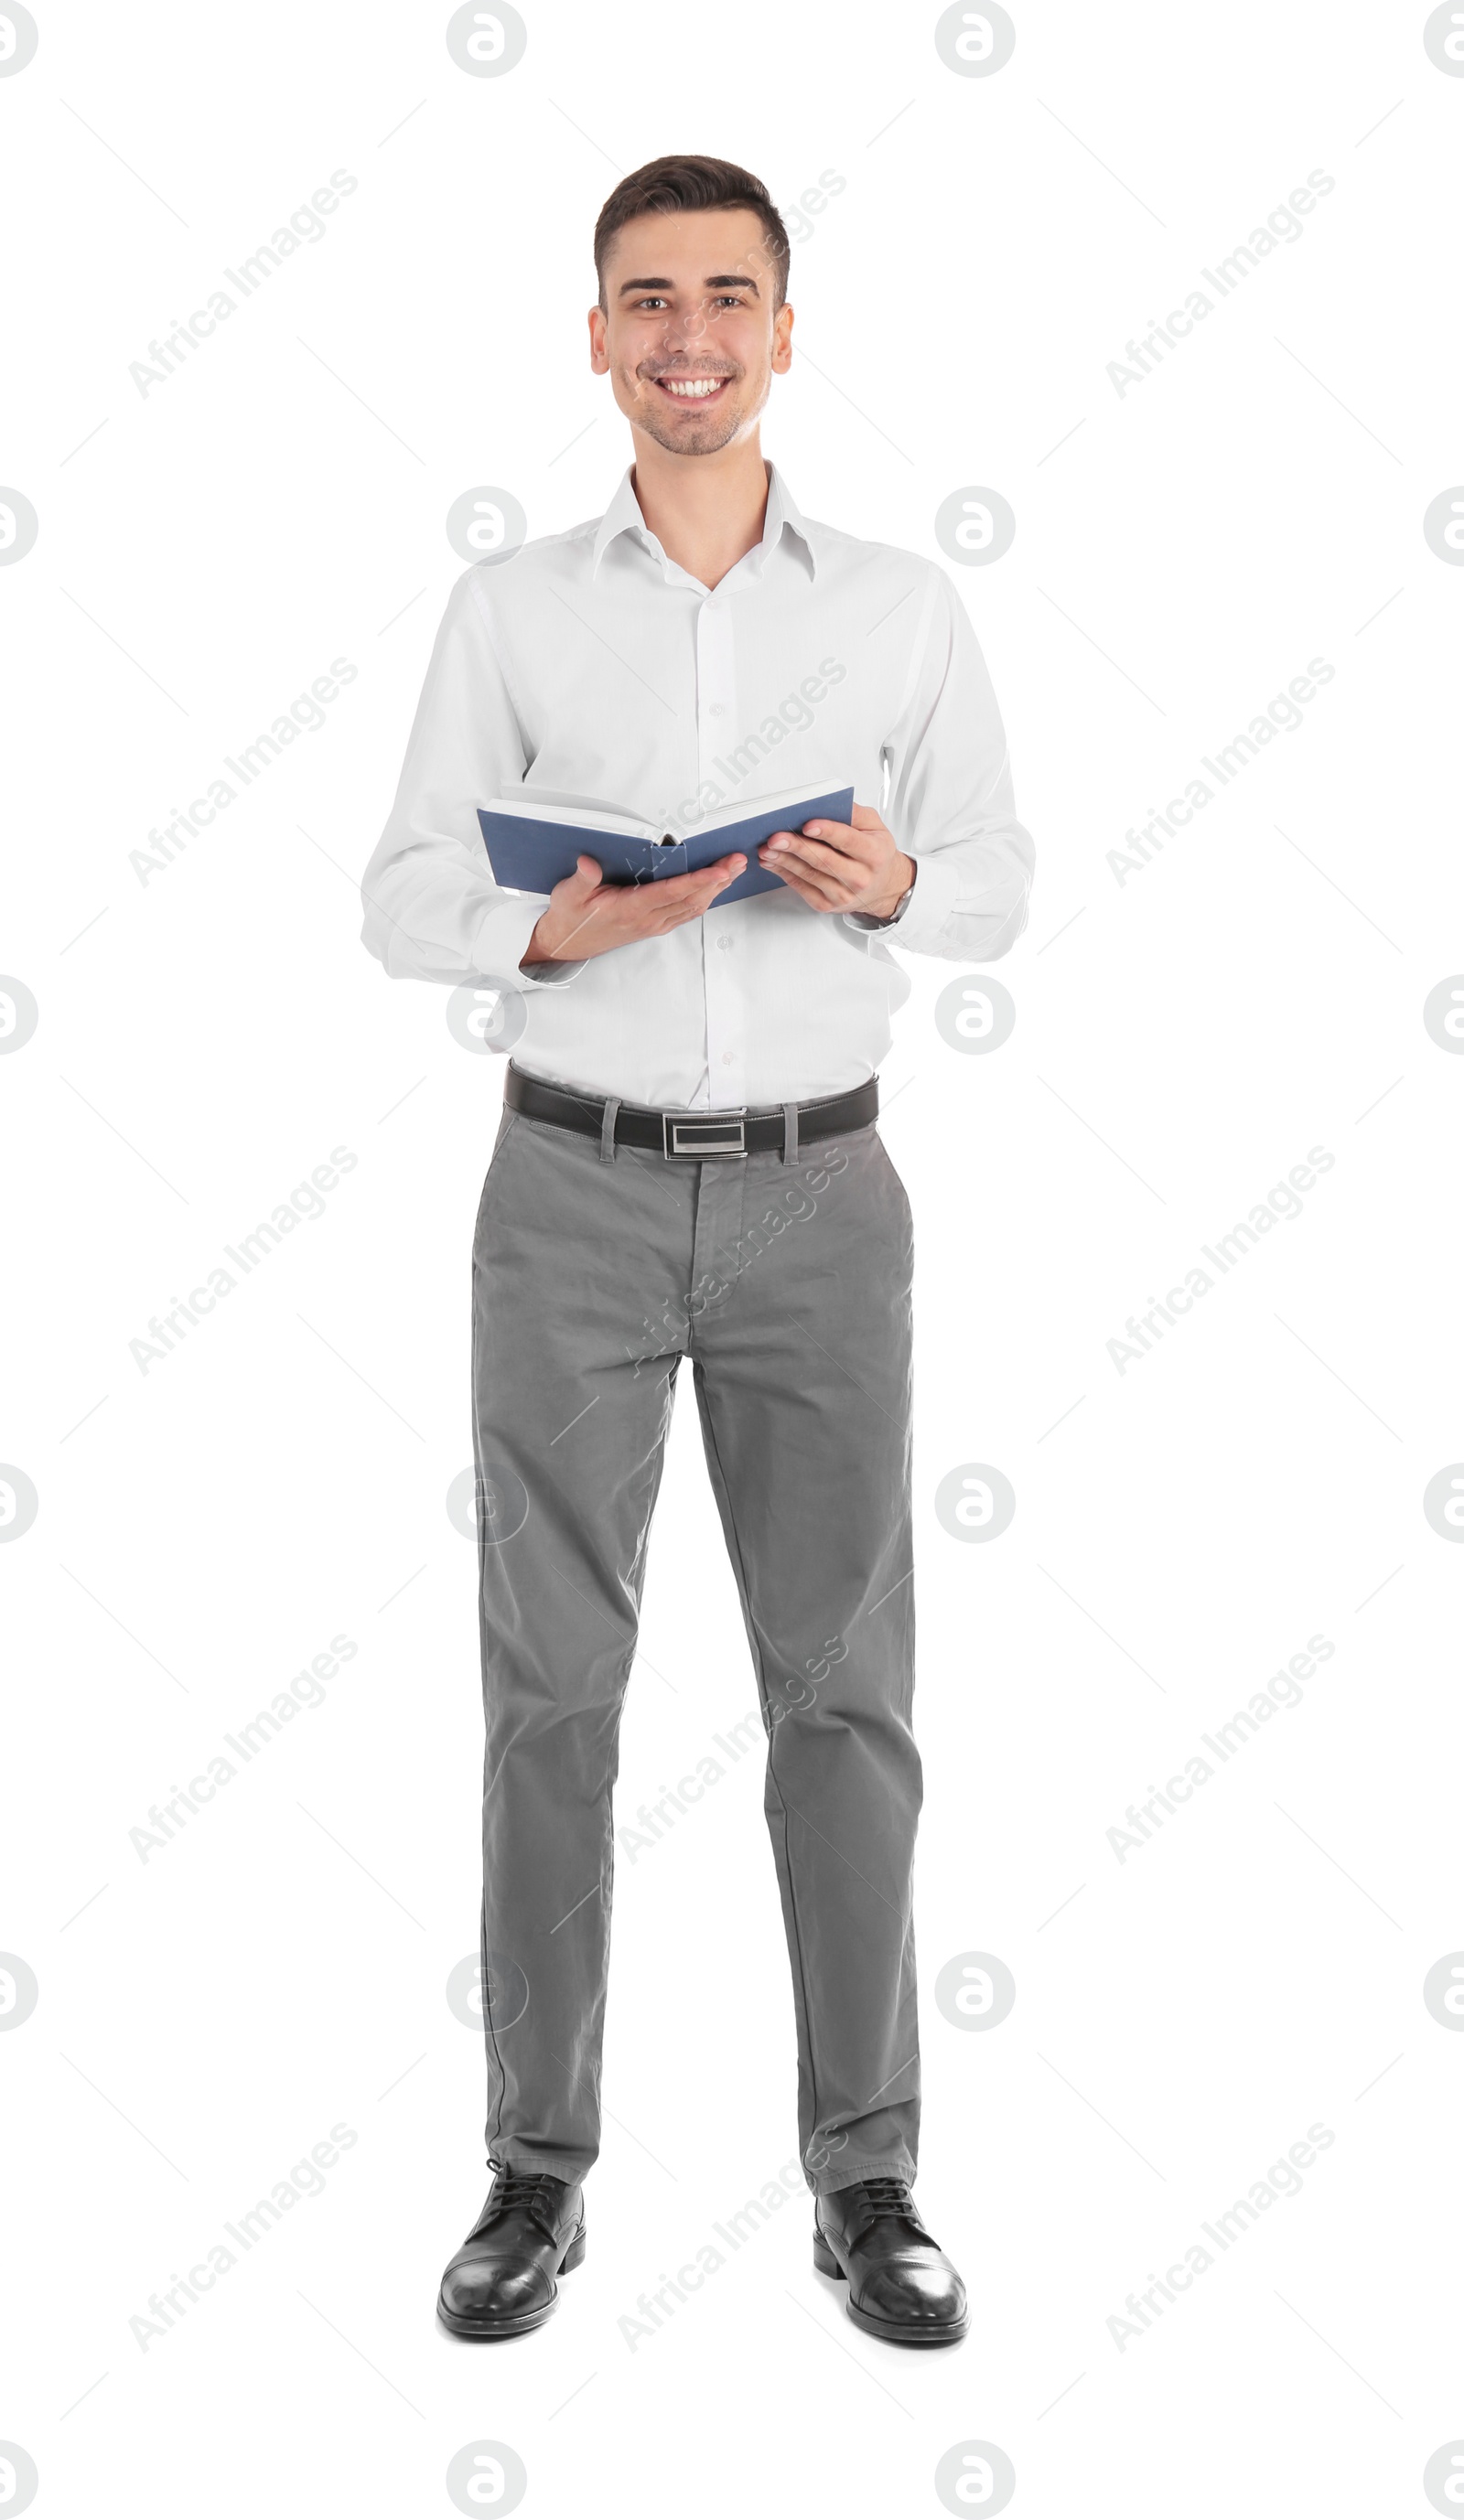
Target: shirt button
{"x":716,"y":709}
{"x":727,"y":1058}
{"x":724,"y":944}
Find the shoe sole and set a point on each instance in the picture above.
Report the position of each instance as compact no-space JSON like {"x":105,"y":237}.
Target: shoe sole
{"x":893,"y":2331}
{"x":484,"y":2331}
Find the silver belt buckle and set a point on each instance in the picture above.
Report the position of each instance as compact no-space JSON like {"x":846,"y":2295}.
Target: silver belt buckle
{"x":724,"y":1135}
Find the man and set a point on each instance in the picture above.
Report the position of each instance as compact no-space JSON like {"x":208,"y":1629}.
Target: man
{"x":688,"y":1166}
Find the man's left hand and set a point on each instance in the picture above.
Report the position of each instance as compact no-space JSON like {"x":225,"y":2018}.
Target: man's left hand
{"x":841,"y":866}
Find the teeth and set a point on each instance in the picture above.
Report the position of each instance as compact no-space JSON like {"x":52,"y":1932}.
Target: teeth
{"x":694,"y":386}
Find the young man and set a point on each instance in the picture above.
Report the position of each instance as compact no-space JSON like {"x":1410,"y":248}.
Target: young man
{"x":688,"y":1166}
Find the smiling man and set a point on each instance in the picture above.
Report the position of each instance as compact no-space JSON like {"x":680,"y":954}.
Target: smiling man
{"x":688,"y":1169}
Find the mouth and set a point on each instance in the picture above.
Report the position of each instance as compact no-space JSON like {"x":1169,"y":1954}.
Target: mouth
{"x":692,"y":393}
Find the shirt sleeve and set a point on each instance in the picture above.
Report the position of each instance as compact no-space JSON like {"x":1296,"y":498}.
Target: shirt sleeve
{"x":951,"y":806}
{"x":432,"y":911}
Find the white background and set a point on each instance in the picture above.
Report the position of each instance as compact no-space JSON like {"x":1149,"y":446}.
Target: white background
{"x":1182,"y":1040}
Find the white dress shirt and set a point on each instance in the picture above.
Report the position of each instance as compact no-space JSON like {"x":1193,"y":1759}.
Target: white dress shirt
{"x":591,"y":662}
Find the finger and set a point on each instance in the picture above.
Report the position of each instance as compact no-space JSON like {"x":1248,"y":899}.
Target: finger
{"x":652,"y":918}
{"x":702,"y":886}
{"x":862,"y":849}
{"x":843,"y":837}
{"x":838,"y":835}
{"x":819,"y":894}
{"x":576,"y":887}
{"x":695,"y":904}
{"x":681,"y":886}
{"x":816,"y":857}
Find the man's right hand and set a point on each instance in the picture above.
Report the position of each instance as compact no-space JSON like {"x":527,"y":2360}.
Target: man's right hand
{"x":586,"y":916}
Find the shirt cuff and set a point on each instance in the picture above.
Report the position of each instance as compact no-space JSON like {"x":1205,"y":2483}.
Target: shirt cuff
{"x":503,"y":939}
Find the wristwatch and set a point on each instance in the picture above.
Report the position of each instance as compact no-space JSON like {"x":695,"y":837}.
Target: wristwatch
{"x":865,"y":921}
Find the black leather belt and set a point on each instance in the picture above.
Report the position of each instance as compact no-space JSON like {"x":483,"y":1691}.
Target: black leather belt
{"x":699,"y":1135}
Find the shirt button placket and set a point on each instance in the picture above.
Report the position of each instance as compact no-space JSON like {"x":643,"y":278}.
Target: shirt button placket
{"x":716,"y":696}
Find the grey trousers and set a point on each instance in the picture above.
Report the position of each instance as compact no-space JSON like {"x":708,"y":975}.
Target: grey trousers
{"x":596,"y":1271}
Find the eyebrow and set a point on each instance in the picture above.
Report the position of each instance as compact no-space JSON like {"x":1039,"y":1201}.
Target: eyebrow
{"x":718,"y":280}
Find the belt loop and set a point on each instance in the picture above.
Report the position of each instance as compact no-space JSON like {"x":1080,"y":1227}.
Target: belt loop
{"x":607,"y":1128}
{"x":790,"y":1133}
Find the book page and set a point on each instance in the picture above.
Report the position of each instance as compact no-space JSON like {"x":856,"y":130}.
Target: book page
{"x":745,"y":807}
{"x":555,"y":805}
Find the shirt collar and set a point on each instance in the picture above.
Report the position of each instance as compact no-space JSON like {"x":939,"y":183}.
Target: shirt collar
{"x":623,"y":516}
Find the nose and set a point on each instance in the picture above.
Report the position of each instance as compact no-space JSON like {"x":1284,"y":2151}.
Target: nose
{"x":683,"y":334}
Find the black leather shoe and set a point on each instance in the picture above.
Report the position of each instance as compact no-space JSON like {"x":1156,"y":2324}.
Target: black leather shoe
{"x":901,"y":2285}
{"x":501,"y":2282}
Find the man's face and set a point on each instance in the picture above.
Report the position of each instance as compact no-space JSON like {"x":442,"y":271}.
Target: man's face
{"x":689,"y":337}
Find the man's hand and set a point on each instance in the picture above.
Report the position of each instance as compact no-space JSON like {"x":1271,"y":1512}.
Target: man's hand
{"x":586,"y":916}
{"x":843,"y":866}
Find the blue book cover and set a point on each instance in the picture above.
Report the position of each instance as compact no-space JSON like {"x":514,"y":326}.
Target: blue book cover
{"x":533,"y":840}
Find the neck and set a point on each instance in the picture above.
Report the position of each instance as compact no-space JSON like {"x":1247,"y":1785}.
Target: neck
{"x":703,"y":510}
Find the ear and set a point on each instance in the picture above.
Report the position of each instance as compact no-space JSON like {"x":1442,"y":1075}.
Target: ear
{"x":782,"y":359}
{"x":599,"y":355}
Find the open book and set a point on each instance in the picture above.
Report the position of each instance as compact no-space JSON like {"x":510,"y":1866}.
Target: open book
{"x":533,"y":837}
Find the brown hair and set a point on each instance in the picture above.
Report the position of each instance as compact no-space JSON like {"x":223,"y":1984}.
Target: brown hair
{"x":692,"y":184}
